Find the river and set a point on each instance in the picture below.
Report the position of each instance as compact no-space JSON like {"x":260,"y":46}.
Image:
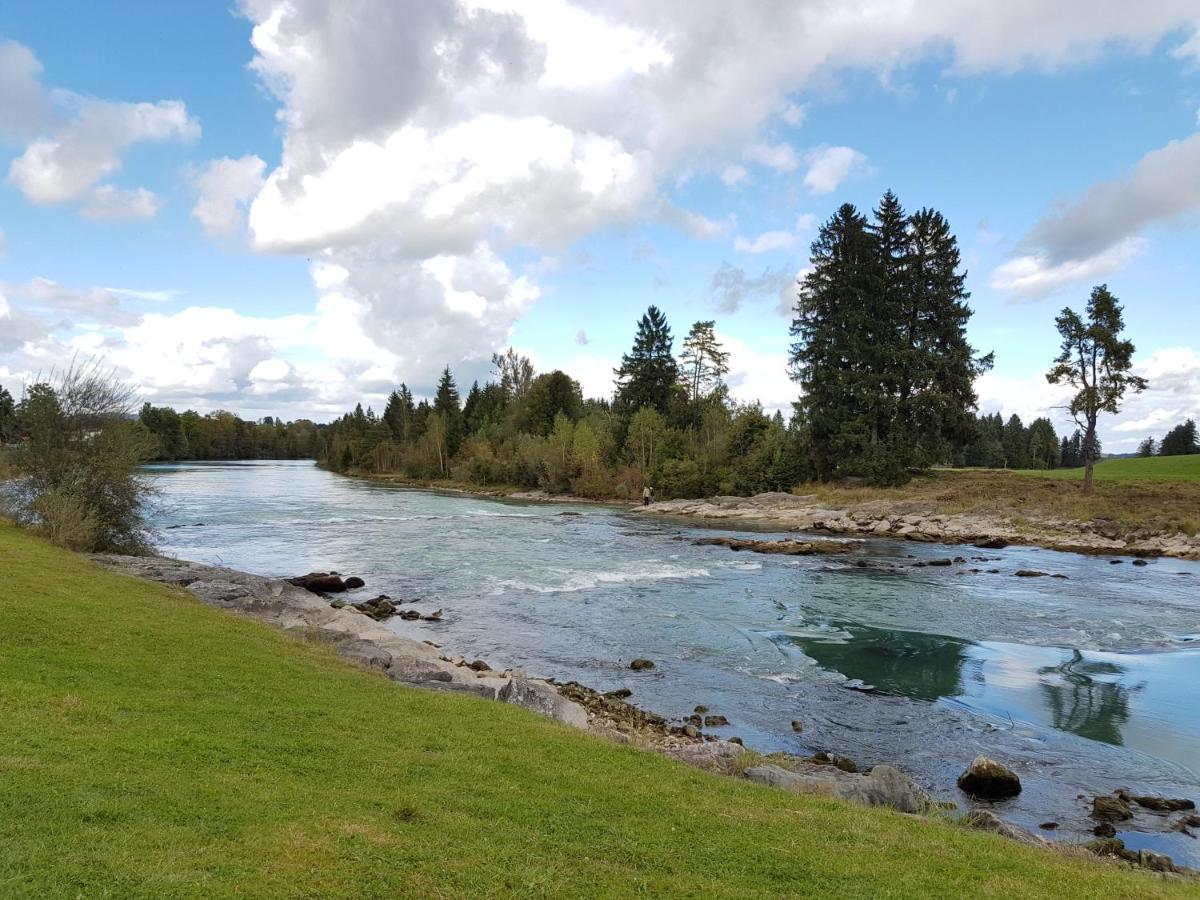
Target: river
{"x":1081,"y":684}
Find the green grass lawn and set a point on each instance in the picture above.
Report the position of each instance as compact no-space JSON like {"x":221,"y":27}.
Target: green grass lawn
{"x":151,"y":746}
{"x":1151,"y":468}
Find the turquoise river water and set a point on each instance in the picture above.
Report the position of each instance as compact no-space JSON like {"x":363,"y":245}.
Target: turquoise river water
{"x":1080,"y":684}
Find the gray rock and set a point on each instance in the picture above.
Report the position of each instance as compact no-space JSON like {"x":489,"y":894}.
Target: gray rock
{"x":219,"y":593}
{"x":714,"y":756}
{"x":412,"y":670}
{"x":882,"y":786}
{"x":540,"y":697}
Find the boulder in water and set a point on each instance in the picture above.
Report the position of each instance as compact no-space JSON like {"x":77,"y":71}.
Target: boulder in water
{"x":354,"y":582}
{"x":320,"y":582}
{"x":639,"y":665}
{"x":1111,"y":809}
{"x":989,"y":780}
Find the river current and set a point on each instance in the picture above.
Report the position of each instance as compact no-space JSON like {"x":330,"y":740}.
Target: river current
{"x":1081,"y":684}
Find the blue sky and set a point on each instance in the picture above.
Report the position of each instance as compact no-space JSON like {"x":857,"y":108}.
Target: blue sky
{"x":281,"y":208}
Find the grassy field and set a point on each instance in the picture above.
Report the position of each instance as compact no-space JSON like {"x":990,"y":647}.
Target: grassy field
{"x":1151,"y":468}
{"x":1135,"y":493}
{"x":154,"y":747}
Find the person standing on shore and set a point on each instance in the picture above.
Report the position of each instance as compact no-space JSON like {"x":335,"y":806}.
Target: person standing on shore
{"x":647,"y":495}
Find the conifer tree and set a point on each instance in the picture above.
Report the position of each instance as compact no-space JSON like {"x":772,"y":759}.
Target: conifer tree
{"x":648,"y":373}
{"x":830,"y":356}
{"x":446,"y":403}
{"x":398,"y":413}
{"x":1180,"y":440}
{"x":1096,"y":362}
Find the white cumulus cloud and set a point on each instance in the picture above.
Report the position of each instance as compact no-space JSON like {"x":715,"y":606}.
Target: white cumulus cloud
{"x":828,"y":167}
{"x":225,"y":188}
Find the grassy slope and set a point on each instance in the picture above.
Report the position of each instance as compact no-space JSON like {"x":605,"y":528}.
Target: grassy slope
{"x":1150,"y":496}
{"x":1152,"y":468}
{"x":152,"y":746}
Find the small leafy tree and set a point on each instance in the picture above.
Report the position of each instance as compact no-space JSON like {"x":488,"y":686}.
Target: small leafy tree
{"x":1147,"y":447}
{"x":646,"y":433}
{"x":77,"y":465}
{"x":1096,"y":362}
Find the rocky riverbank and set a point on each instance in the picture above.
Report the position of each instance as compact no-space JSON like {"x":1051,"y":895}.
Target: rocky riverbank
{"x":913,"y":521}
{"x":351,"y":629}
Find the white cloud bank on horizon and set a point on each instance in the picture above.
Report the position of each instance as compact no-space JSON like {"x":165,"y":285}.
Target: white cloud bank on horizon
{"x":421,"y":141}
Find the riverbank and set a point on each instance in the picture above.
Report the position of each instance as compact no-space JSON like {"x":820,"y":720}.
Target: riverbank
{"x":156,"y":746}
{"x":1121,"y":517}
{"x":944,"y":513}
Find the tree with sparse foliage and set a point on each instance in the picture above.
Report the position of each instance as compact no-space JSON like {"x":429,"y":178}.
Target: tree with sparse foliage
{"x":704,"y":362}
{"x":77,"y":463}
{"x":648,"y":373}
{"x":1148,"y":447}
{"x":515,"y":374}
{"x":1097,"y":363}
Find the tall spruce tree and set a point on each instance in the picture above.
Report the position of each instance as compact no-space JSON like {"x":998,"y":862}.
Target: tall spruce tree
{"x":398,"y":414}
{"x":446,"y":402}
{"x":938,"y":396}
{"x":835,"y":352}
{"x":648,"y":373}
{"x":881,"y":350}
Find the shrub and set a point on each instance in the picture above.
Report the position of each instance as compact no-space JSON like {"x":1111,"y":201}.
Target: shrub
{"x":77,"y":464}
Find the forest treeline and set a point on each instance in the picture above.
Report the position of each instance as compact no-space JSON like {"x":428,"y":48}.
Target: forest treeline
{"x":223,"y":435}
{"x":879,"y":352}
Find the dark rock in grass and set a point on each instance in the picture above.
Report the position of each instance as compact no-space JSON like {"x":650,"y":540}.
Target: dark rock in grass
{"x":353,"y":583}
{"x":845,"y":763}
{"x":986,"y":820}
{"x":320,"y":582}
{"x":1105,"y":829}
{"x":1111,"y":809}
{"x":1030,"y":573}
{"x":715,"y":721}
{"x":995,"y":543}
{"x":1163,"y":804}
{"x":639,"y":665}
{"x":989,"y":780}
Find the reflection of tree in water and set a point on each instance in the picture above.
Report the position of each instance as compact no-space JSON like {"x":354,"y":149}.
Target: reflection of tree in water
{"x":1080,"y":704}
{"x":924,"y":666}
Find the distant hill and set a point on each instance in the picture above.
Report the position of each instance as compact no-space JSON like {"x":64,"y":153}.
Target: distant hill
{"x":1135,"y":468}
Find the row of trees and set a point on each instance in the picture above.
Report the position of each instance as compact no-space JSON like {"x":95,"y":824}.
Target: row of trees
{"x":880,"y":353}
{"x":670,"y":423}
{"x":222,"y":435}
{"x":1179,"y":441}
